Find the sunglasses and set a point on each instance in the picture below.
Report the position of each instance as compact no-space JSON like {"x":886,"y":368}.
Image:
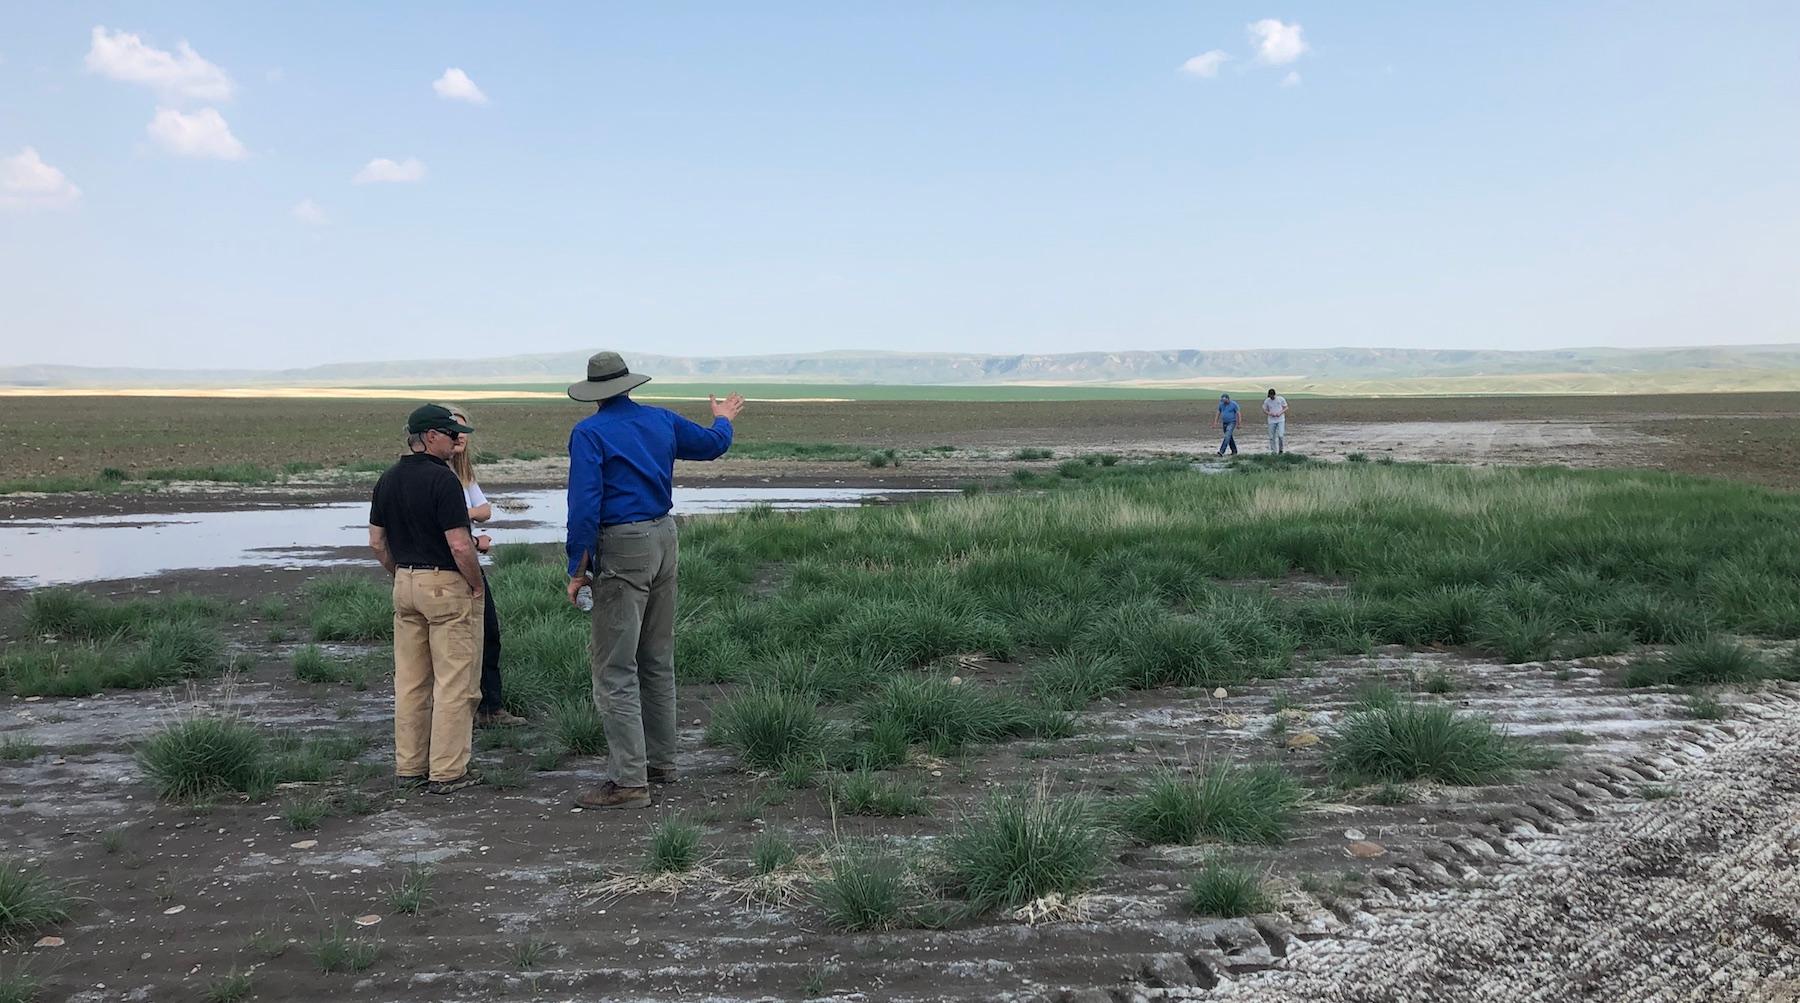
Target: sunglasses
{"x":452,"y":436}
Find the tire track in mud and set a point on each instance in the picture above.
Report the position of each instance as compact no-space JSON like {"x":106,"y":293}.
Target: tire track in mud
{"x":1690,"y":898}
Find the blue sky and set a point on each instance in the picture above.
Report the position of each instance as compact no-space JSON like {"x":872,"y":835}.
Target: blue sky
{"x":739,"y":178}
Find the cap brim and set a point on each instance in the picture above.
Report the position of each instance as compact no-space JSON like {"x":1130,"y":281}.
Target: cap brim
{"x":599,"y":390}
{"x":459,"y":428}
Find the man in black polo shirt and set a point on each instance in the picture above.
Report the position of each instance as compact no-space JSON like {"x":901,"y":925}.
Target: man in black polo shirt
{"x":419,"y":530}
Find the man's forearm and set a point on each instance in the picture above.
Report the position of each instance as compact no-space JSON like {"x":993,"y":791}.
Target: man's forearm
{"x":470,"y":566}
{"x":382,"y":555}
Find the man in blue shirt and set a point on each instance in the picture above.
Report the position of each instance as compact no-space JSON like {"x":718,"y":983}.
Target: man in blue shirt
{"x":1227,"y":418}
{"x":622,"y":542}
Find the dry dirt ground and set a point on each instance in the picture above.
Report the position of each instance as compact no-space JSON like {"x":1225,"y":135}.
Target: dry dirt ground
{"x":1753,"y":437}
{"x":1656,"y":862}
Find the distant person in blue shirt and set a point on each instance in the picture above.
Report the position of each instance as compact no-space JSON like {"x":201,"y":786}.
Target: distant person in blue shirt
{"x":1227,"y":418}
{"x":622,"y":542}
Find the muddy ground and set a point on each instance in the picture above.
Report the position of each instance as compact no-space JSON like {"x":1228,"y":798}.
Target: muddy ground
{"x":1656,"y":860}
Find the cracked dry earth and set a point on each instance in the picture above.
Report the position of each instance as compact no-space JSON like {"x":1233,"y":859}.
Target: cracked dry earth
{"x":1658,"y":863}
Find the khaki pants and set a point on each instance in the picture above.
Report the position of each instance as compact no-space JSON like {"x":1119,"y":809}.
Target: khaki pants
{"x":634,"y":646}
{"x":437,"y":658}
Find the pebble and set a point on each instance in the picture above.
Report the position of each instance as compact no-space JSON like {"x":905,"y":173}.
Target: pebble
{"x":172,"y":910}
{"x":305,"y":844}
{"x":1365,"y":850}
{"x":1220,"y":694}
{"x":1353,"y":834}
{"x":1302,"y":740}
{"x":370,"y":920}
{"x":49,"y":942}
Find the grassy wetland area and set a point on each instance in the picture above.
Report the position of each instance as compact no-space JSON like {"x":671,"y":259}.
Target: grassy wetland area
{"x":1105,"y":725}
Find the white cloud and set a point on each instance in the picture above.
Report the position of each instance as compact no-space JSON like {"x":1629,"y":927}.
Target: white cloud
{"x":26,"y":182}
{"x":382,"y":169}
{"x":181,"y":74}
{"x":455,"y":85}
{"x":1292,"y":79}
{"x":1205,"y":64}
{"x":201,"y":134}
{"x":307,"y":211}
{"x":1277,"y":43}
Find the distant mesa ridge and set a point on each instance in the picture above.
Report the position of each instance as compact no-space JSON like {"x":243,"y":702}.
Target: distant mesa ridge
{"x":901,"y":368}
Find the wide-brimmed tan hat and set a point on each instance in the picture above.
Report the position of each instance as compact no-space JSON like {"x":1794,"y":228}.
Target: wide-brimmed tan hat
{"x":607,"y":377}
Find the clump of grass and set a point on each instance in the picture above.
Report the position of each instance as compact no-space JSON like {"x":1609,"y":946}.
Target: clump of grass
{"x":1023,"y":845}
{"x":351,"y":608}
{"x":674,"y":846}
{"x":230,"y":987}
{"x":19,"y":985}
{"x":578,"y":727}
{"x":226,"y":473}
{"x":1438,"y":681}
{"x":1408,"y":742}
{"x":798,"y":772}
{"x":29,"y":899}
{"x":305,"y":814}
{"x":1227,"y":890}
{"x":203,"y":756}
{"x":931,"y":709}
{"x":312,"y":665}
{"x":1070,"y":681}
{"x":770,"y":851}
{"x":410,"y":894}
{"x":547,"y":759}
{"x":1224,"y":802}
{"x":272,"y":608}
{"x":1373,"y":694}
{"x":861,"y":792}
{"x":17,"y":750}
{"x":865,"y":889}
{"x":112,"y":841}
{"x":1655,"y":792}
{"x":1714,"y":661}
{"x":1032,"y":453}
{"x":525,"y":954}
{"x":1704,"y":707}
{"x":882,"y":746}
{"x":337,"y":951}
{"x":770,"y":728}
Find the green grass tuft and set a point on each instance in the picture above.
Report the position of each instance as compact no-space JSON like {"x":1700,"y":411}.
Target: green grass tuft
{"x":578,"y":727}
{"x":29,"y":899}
{"x":305,"y":814}
{"x":1405,"y":742}
{"x":204,"y":756}
{"x":351,"y":608}
{"x":411,"y":893}
{"x":674,"y":846}
{"x":230,"y":987}
{"x":770,"y":851}
{"x":337,"y":951}
{"x":862,"y":792}
{"x":1023,"y":845}
{"x":1713,"y":661}
{"x":865,"y":890}
{"x":770,"y":728}
{"x":1228,"y":803}
{"x":1227,"y":890}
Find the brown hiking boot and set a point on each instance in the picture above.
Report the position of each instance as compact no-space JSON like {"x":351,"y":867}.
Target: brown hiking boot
{"x":499,"y":719}
{"x":611,"y":795}
{"x":662,"y":774}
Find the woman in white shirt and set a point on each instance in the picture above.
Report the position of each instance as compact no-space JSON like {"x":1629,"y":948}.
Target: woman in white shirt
{"x":488,"y":711}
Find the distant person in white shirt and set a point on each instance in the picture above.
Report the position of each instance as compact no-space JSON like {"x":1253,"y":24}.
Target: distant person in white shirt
{"x":1275,"y":406}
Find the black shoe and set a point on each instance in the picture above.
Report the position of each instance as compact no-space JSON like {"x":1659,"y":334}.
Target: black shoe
{"x":469,"y":779}
{"x":662,"y":775}
{"x":408,"y":782}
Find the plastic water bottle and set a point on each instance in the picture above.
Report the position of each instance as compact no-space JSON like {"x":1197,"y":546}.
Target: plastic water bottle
{"x":585,"y":598}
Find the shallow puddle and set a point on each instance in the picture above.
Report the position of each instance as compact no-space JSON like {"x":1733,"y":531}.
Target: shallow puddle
{"x":36,"y":552}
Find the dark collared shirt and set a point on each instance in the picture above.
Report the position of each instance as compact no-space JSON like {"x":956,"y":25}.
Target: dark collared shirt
{"x":417,"y":501}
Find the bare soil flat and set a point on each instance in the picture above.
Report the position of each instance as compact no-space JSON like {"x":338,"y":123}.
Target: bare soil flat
{"x":1754,"y":437}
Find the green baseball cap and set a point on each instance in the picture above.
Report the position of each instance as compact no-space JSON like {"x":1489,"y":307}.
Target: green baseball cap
{"x":433,"y":417}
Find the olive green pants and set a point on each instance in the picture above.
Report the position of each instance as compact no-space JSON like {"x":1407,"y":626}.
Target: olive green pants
{"x":633,"y":646}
